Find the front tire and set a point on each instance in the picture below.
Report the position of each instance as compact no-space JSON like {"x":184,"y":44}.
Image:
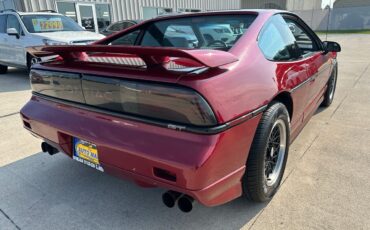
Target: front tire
{"x":330,"y":90}
{"x":29,"y":62}
{"x":3,"y":69}
{"x":268,"y":154}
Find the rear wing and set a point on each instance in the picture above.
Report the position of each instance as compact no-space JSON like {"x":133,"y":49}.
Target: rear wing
{"x":151,"y":56}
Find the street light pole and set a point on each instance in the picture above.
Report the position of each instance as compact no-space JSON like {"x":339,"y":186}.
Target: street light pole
{"x":329,"y":16}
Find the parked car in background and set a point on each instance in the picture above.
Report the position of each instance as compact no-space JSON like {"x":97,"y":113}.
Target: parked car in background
{"x":218,"y":33}
{"x":119,"y":26}
{"x":210,"y":122}
{"x":19,"y":31}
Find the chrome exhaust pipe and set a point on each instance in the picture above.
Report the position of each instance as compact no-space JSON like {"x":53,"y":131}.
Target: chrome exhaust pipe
{"x":46,"y":148}
{"x":169,"y":198}
{"x":185,"y":203}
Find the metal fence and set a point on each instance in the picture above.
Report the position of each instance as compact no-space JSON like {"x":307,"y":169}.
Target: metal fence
{"x":345,"y":18}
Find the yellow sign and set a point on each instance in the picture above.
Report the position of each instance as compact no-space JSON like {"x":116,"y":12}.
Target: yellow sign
{"x":44,"y":25}
{"x":87,"y":152}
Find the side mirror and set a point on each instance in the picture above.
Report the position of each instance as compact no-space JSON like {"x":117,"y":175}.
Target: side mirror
{"x":331,"y":47}
{"x":12,"y":32}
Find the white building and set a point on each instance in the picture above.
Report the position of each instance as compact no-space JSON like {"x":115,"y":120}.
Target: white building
{"x":103,"y":12}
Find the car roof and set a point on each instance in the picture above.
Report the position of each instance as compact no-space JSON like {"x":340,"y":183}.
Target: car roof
{"x":27,"y":13}
{"x":223,"y":12}
{"x":134,"y":21}
{"x":38,"y":13}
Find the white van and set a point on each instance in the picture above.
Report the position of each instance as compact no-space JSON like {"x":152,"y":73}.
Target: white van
{"x":19,"y":30}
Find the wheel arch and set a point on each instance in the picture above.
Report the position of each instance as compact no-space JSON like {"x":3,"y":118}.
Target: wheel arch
{"x":286,"y":99}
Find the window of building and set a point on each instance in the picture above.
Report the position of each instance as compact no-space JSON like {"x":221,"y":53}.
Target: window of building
{"x":87,"y":16}
{"x":152,"y":12}
{"x":103,"y":16}
{"x":2,"y":24}
{"x":68,"y":9}
{"x":272,"y":6}
{"x":277,"y":42}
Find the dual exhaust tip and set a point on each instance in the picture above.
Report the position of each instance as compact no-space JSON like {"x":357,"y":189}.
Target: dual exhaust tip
{"x":184,"y":202}
{"x":46,"y":148}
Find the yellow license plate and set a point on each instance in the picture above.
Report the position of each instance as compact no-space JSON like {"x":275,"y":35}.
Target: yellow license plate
{"x":86,"y":153}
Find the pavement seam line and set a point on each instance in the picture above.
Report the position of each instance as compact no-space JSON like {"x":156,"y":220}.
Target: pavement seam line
{"x":255,"y":220}
{"x":354,"y":85}
{"x":361,"y":75}
{"x":10,"y":114}
{"x":340,"y":104}
{"x":313,"y":141}
{"x":11,"y":221}
{"x":295,"y":167}
{"x":286,"y":178}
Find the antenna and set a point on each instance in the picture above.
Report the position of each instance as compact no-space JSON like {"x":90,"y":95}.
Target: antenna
{"x":327,"y":25}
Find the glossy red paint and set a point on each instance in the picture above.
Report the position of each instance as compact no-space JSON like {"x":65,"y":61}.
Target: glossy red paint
{"x":202,"y":163}
{"x":207,"y":167}
{"x":208,"y":58}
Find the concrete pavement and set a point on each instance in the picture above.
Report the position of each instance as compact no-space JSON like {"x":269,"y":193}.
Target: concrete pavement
{"x":325,"y":183}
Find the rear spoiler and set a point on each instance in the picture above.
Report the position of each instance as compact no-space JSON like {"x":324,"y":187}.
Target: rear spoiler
{"x":152,"y":56}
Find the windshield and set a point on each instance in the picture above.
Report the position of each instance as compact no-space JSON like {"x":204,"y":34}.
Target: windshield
{"x":49,"y":23}
{"x":206,"y":32}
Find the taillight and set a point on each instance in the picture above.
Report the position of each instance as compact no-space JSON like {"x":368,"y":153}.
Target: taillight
{"x":162,"y":102}
{"x":61,"y":85}
{"x":150,"y":100}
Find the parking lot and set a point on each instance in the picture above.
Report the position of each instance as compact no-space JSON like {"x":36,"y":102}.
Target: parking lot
{"x":325,"y":186}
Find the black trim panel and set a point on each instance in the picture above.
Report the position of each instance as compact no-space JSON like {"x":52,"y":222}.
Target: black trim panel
{"x":186,"y":128}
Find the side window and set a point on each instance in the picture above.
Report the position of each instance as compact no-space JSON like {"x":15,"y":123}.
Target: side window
{"x":13,"y":22}
{"x":127,"y":40}
{"x":305,"y":43}
{"x":2,"y":24}
{"x":277,"y":42}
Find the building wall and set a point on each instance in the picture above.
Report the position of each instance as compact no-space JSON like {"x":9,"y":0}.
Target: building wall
{"x":262,"y":4}
{"x":8,"y":4}
{"x":293,"y":5}
{"x":133,"y":9}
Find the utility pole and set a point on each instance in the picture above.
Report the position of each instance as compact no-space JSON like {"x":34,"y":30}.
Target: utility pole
{"x":329,"y":16}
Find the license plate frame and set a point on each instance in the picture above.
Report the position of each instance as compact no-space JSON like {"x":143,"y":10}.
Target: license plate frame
{"x":86,"y":153}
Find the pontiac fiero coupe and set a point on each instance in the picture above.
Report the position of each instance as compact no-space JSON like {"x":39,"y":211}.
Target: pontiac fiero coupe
{"x":204,"y":105}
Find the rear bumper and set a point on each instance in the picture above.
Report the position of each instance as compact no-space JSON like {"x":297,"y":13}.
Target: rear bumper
{"x":206,"y":167}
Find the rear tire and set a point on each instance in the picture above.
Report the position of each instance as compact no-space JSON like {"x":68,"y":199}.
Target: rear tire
{"x":3,"y":69}
{"x":330,"y":90}
{"x":268,"y":154}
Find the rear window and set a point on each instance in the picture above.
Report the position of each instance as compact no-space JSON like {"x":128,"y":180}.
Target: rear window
{"x":49,"y":23}
{"x":206,"y":32}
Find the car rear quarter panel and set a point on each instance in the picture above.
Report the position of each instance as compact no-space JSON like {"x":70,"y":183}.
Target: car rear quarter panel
{"x":254,"y":81}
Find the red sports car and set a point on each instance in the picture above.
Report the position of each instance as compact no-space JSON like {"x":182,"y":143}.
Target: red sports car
{"x":204,"y":105}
